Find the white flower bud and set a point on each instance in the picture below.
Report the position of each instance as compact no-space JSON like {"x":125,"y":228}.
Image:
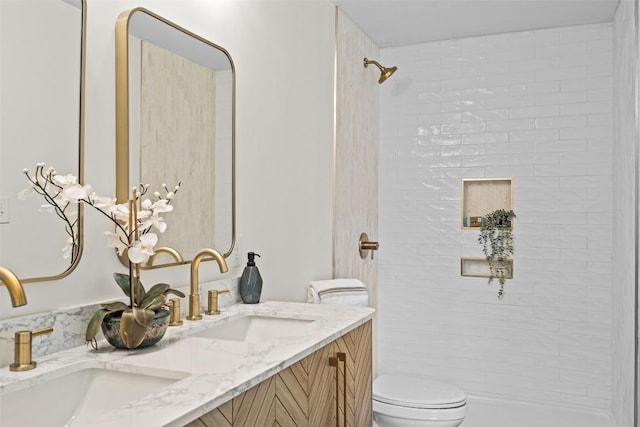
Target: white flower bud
{"x":170,"y":195}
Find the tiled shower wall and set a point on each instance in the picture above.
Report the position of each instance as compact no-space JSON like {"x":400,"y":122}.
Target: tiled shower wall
{"x":535,"y":106}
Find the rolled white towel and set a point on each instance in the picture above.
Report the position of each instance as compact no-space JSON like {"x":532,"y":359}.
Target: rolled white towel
{"x":338,"y":291}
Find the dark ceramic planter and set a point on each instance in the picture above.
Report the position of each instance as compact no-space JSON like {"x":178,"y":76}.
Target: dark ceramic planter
{"x":155,"y":331}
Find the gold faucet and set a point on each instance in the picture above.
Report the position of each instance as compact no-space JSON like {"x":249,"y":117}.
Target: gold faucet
{"x":16,"y":291}
{"x":194,"y":295}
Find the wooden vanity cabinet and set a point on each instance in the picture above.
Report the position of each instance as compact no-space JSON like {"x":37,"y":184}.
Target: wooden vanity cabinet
{"x":307,"y":393}
{"x":356,"y":347}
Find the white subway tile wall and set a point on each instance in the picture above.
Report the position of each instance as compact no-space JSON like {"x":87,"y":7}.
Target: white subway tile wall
{"x":535,"y":106}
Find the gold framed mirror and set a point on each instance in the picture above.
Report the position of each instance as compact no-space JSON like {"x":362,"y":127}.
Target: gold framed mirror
{"x":42,"y":72}
{"x":175,"y":122}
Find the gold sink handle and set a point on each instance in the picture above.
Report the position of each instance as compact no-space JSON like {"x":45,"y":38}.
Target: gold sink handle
{"x":213,"y":301}
{"x":174,"y":310}
{"x":22,"y":354}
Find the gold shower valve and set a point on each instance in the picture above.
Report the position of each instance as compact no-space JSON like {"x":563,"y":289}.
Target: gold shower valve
{"x":365,"y":246}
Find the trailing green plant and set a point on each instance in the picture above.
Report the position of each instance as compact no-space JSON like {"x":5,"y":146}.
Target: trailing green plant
{"x":496,"y":238}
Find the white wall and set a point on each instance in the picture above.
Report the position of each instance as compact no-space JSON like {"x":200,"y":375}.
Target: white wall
{"x":535,"y":106}
{"x":284,"y":56}
{"x":625,"y":202}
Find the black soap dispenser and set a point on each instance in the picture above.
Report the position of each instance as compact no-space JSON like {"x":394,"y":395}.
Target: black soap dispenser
{"x":251,"y":281}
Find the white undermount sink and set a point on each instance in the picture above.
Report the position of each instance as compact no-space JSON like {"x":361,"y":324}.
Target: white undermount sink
{"x":256,"y":328}
{"x":75,"y":398}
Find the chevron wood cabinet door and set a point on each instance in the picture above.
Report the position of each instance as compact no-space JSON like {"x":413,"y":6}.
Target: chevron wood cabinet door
{"x":362,"y":377}
{"x":256,"y":406}
{"x":222,"y":416}
{"x":292,"y":395}
{"x":355,"y":385}
{"x":322,"y":388}
{"x":309,"y":393}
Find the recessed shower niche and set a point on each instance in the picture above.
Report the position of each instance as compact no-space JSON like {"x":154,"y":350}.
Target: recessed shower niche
{"x":481,"y":196}
{"x":479,"y":267}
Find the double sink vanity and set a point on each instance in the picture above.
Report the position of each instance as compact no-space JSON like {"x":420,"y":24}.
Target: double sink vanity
{"x":251,"y":365}
{"x":208,"y":369}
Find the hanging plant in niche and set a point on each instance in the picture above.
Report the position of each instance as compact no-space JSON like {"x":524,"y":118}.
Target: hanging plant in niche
{"x":496,"y":238}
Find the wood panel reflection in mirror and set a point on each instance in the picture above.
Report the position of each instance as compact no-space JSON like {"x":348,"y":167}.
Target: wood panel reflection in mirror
{"x":175,"y":95}
{"x":41,"y":120}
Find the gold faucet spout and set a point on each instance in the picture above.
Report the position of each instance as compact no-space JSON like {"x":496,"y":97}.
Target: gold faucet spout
{"x":164,"y":250}
{"x":194,"y":295}
{"x":16,"y":291}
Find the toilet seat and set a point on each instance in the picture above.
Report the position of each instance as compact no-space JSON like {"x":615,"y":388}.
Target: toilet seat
{"x":417,"y":393}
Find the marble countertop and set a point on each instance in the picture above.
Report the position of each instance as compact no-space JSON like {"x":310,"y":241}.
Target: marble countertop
{"x":209,"y":371}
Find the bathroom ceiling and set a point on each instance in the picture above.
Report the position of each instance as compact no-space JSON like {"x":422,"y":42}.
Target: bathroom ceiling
{"x":403,"y":22}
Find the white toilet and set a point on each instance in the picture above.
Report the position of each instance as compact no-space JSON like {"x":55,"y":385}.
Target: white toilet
{"x":402,"y":401}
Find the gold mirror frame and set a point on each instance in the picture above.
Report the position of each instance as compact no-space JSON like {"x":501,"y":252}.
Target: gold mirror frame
{"x":123,"y":145}
{"x":80,"y":159}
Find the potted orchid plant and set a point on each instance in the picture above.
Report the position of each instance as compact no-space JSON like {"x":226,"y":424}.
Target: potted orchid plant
{"x":143,"y":321}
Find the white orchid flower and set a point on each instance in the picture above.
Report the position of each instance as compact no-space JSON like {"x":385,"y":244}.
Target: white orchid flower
{"x":142,"y":214}
{"x":74,"y":193}
{"x":142,"y":249}
{"x":59,"y":190}
{"x":159,"y":206}
{"x":46,"y":208}
{"x":71,"y":190}
{"x":65,"y":180}
{"x":102,"y":202}
{"x":113,"y":241}
{"x":156,"y":221}
{"x":162,"y":205}
{"x":120,"y":212}
{"x":25,"y":193}
{"x":68,"y":248}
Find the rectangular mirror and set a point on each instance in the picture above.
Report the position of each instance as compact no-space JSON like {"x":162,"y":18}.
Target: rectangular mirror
{"x":41,"y":120}
{"x":175,"y":95}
